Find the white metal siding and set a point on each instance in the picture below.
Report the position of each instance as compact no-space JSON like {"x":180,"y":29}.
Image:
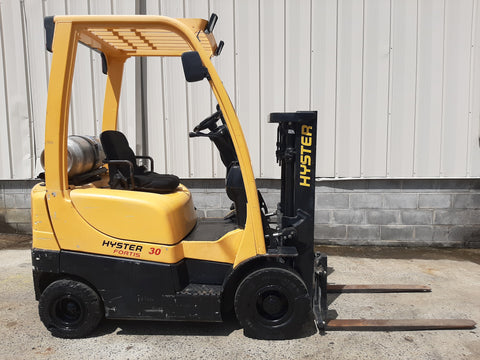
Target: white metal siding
{"x":396,"y":84}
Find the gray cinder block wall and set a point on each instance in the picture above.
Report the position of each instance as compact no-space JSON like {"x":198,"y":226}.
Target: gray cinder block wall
{"x":441,"y":212}
{"x":399,"y":212}
{"x":15,"y":216}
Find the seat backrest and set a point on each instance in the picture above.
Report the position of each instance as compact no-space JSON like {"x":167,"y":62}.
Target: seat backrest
{"x":115,"y":145}
{"x":236,"y":192}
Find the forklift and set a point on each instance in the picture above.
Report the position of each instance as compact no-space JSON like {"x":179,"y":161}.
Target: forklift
{"x":114,"y":239}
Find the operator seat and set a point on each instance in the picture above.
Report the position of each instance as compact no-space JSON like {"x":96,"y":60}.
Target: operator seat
{"x":124,"y":171}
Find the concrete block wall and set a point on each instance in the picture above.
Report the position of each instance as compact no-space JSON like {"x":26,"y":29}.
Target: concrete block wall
{"x":15,"y":215}
{"x":399,"y":212}
{"x":441,"y":212}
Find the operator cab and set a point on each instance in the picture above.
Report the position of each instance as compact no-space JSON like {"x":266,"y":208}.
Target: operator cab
{"x":159,"y":201}
{"x":107,"y":173}
{"x":114,"y":179}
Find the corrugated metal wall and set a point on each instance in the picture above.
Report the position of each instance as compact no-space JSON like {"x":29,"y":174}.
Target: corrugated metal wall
{"x":24,"y":73}
{"x":396,"y":84}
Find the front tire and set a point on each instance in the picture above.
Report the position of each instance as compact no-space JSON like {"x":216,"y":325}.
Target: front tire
{"x":272,"y":303}
{"x":70,"y":309}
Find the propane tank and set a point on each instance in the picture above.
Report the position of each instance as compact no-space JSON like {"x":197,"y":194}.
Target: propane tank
{"x":84,"y":153}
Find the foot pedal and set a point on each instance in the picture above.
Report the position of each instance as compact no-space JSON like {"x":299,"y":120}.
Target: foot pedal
{"x":231,"y":215}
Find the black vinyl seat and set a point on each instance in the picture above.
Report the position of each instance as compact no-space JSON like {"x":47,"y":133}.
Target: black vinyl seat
{"x":124,"y":171}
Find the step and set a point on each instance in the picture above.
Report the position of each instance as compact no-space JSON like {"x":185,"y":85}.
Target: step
{"x":201,"y":290}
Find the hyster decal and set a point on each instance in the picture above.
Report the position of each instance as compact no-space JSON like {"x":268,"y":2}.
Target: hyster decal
{"x":305,"y":157}
{"x":123,"y":249}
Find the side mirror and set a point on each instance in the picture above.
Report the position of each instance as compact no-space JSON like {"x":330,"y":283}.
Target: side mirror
{"x":193,"y":67}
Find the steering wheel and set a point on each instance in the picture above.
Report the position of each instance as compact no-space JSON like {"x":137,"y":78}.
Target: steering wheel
{"x":208,"y":123}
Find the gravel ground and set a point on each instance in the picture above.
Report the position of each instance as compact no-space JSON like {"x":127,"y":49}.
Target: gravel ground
{"x":454,"y":276}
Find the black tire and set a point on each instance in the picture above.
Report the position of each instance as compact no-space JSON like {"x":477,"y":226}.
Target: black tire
{"x":70,"y":309}
{"x":272,"y":303}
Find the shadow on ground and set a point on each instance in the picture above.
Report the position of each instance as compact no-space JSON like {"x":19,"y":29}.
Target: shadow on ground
{"x":139,"y":327}
{"x":170,"y":328}
{"x":15,"y":241}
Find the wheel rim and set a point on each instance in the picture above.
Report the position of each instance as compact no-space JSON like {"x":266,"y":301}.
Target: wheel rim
{"x":273,"y":306}
{"x":67,"y":310}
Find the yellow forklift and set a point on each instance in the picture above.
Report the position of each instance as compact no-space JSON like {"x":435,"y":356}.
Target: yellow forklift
{"x":112,"y":238}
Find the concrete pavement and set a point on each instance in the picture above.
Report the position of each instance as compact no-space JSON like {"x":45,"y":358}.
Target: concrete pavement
{"x":454,"y":276}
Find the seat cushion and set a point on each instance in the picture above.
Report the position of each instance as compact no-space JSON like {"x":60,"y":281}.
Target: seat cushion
{"x":151,"y":181}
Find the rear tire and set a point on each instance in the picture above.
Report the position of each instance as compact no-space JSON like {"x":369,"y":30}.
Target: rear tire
{"x":272,"y":303}
{"x":70,"y":309}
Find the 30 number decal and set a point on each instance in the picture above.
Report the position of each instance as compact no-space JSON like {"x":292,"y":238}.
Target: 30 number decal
{"x":155,"y":251}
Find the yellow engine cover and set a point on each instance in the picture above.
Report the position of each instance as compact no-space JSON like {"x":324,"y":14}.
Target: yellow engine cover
{"x":137,"y":216}
{"x":42,"y":232}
